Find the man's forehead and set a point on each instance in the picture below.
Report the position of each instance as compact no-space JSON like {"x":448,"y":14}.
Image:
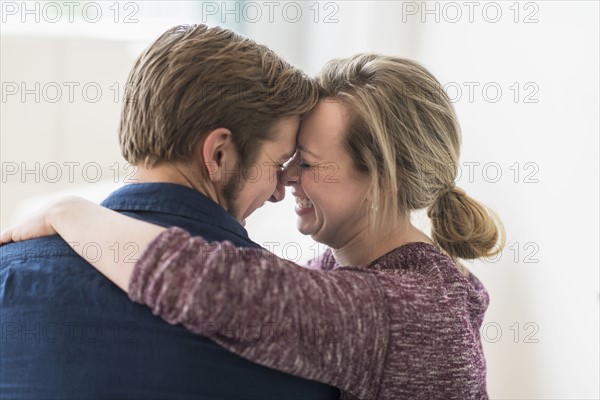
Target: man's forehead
{"x":289,"y":154}
{"x":282,"y":146}
{"x":284,"y":133}
{"x":289,"y":122}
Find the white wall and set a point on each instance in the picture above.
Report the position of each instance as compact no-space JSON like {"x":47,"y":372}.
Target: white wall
{"x":558,"y":215}
{"x":552,"y":304}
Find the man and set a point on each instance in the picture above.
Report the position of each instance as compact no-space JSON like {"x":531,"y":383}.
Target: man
{"x":209,"y":120}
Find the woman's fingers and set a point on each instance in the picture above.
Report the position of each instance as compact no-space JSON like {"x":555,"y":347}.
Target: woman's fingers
{"x":35,"y":227}
{"x":6,"y":236}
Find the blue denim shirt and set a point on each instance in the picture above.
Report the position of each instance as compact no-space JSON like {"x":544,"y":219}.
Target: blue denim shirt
{"x":69,"y":333}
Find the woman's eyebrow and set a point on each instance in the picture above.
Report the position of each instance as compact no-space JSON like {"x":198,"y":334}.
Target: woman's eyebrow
{"x":305,"y":150}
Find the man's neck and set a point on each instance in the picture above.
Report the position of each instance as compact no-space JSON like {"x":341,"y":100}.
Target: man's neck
{"x":176,"y":173}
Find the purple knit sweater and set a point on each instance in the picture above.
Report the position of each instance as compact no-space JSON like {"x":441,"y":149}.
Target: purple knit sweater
{"x":405,"y":327}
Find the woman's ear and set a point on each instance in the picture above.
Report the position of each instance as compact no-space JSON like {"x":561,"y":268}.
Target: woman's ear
{"x":216,"y":149}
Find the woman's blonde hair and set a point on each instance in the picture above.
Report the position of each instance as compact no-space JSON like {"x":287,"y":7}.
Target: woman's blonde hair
{"x":404,"y":134}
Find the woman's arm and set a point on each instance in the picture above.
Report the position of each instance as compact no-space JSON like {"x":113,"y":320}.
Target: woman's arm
{"x":330,"y":326}
{"x":81,"y":224}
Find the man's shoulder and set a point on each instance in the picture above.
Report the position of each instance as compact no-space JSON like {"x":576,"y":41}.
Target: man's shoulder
{"x":45,"y":265}
{"x":43,"y":248}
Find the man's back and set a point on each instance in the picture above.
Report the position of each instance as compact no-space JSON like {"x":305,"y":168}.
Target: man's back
{"x":67,"y":332}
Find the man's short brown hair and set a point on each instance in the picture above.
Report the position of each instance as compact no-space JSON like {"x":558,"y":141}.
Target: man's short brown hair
{"x":194,"y":79}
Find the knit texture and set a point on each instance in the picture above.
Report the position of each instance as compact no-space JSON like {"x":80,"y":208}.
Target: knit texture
{"x":405,"y":327}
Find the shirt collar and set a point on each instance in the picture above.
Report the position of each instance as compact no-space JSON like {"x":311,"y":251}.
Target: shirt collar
{"x":173,"y":199}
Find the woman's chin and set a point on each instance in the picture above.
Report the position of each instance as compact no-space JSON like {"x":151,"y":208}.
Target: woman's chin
{"x":302,"y":228}
{"x":306,"y":226}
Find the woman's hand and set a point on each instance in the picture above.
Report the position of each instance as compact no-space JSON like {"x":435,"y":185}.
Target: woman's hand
{"x":37,"y":226}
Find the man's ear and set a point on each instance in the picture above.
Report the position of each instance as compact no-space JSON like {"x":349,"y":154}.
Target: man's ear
{"x":216,"y":149}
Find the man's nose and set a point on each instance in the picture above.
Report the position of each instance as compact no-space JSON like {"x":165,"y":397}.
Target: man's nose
{"x":279,"y":193}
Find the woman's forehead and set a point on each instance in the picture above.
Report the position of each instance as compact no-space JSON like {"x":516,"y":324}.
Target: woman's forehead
{"x":323,"y":126}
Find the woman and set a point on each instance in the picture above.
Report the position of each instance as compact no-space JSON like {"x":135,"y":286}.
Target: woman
{"x":387,"y":312}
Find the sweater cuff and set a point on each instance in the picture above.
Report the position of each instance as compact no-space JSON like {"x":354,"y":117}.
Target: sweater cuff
{"x":147,"y":270}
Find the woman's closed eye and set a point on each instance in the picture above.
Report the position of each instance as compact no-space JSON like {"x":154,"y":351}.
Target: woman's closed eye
{"x":304,"y":165}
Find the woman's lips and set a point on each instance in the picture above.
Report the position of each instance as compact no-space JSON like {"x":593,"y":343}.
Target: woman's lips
{"x":303,"y":206}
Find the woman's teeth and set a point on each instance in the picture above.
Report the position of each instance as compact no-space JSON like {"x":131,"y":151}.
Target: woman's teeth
{"x":303,"y":202}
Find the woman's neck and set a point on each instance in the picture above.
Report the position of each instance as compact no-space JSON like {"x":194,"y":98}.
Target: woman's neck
{"x":361,"y":250}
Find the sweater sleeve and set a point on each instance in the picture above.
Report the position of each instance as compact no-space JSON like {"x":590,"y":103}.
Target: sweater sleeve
{"x":328,"y":326}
